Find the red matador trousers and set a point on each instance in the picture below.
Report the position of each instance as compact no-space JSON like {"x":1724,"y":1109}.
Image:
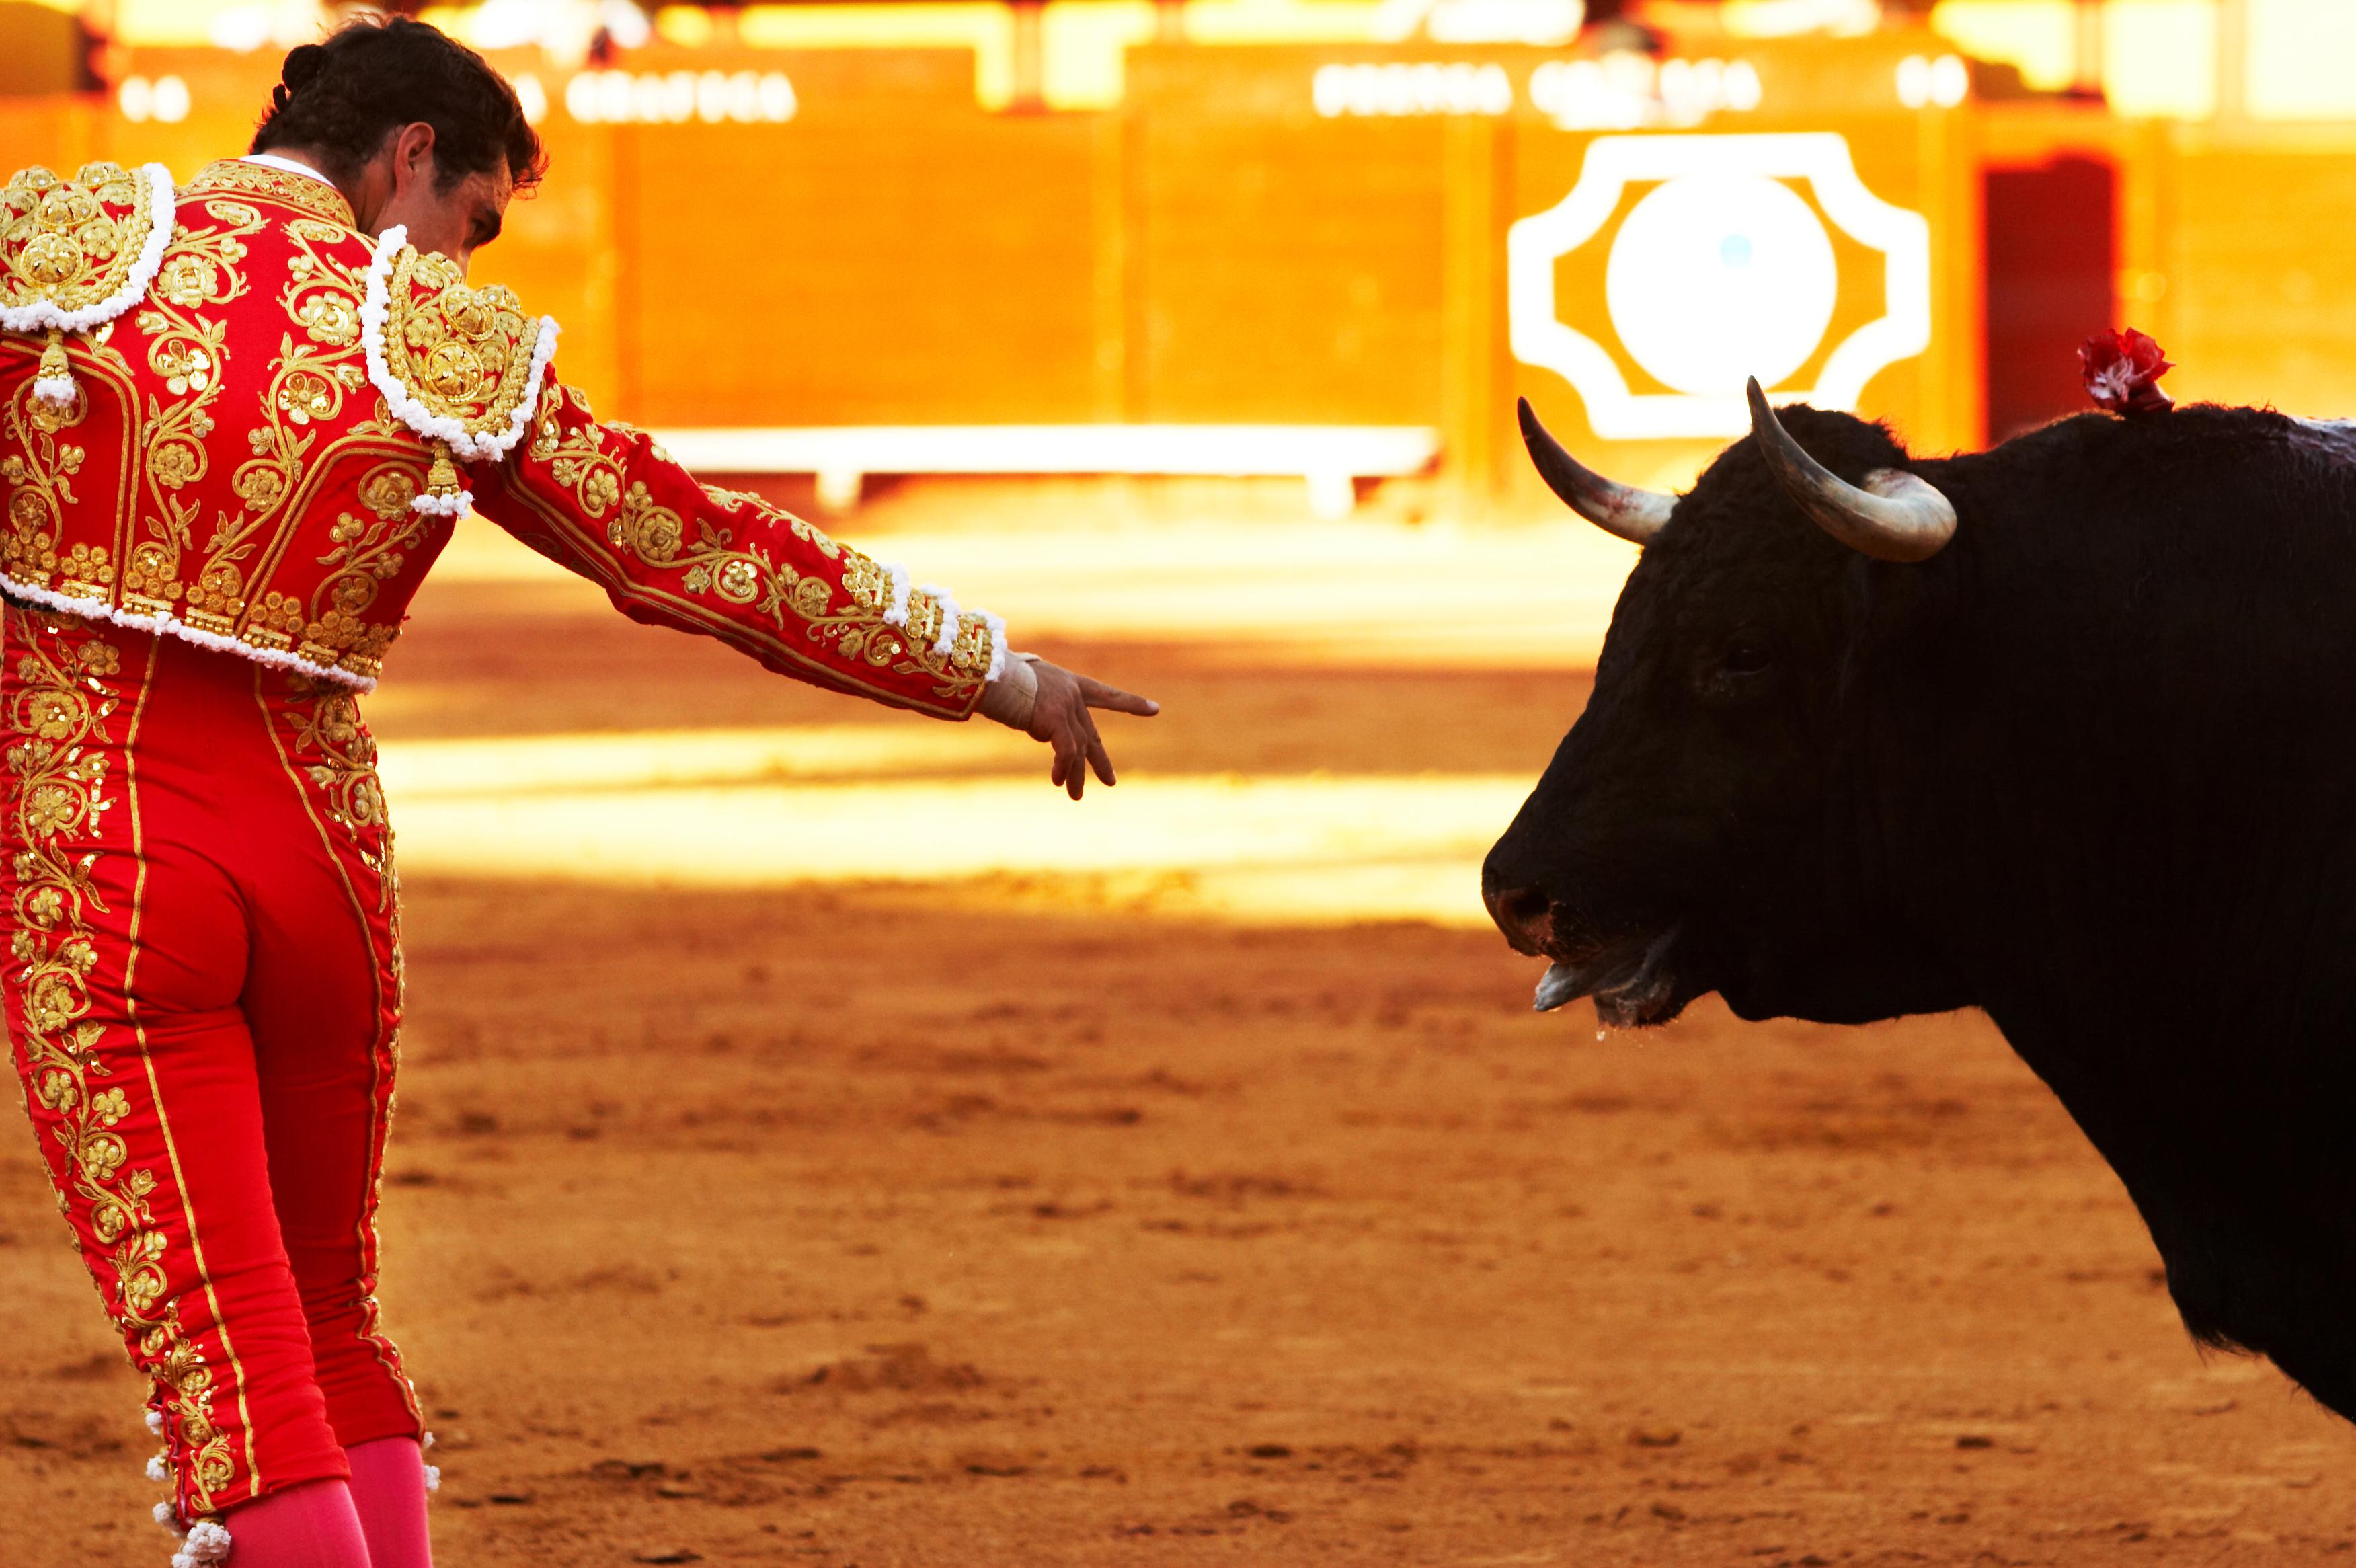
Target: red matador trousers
{"x":202,"y":978}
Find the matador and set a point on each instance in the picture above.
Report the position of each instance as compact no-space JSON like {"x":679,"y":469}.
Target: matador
{"x":238,"y":419}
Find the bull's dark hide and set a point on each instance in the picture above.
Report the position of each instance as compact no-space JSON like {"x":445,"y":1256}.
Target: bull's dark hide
{"x":2091,"y":768}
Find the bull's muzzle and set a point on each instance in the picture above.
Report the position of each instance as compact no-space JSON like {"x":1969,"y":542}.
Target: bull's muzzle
{"x":1524,"y":914}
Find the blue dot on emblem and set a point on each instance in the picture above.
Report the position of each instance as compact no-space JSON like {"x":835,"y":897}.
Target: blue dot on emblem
{"x":1735,"y":250}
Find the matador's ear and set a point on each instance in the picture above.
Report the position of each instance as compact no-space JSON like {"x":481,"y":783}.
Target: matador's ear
{"x":460,"y":366}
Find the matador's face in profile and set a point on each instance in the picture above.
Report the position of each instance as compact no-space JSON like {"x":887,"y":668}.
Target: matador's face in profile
{"x":402,"y":185}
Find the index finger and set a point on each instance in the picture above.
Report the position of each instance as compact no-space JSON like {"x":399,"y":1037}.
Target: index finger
{"x":1097,"y":694}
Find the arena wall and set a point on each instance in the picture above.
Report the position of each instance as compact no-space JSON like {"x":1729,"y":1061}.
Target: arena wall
{"x":1242,"y":241}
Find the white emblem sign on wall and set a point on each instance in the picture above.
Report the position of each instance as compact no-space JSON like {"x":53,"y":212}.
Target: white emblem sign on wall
{"x":1718,"y":272}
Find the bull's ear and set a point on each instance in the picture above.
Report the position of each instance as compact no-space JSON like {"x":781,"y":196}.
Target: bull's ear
{"x":1633,"y":514}
{"x":1894,"y":516}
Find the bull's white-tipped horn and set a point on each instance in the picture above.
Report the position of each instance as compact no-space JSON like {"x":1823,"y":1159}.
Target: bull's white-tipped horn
{"x":1634,"y":515}
{"x":1895,"y":516}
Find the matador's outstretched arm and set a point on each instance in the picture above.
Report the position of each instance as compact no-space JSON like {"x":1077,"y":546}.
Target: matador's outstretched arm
{"x":606,"y":501}
{"x":603,"y":501}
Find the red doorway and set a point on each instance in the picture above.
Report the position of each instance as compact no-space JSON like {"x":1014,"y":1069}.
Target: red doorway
{"x":2050,"y":263}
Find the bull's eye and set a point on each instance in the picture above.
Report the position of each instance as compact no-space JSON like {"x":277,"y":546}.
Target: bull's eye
{"x":1745,"y":659}
{"x":1735,"y":671}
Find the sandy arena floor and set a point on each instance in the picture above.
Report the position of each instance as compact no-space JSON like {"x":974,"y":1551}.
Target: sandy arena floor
{"x":1075,"y":1221}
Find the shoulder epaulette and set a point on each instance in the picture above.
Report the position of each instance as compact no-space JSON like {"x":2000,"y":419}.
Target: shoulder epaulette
{"x":460,"y":366}
{"x":76,"y":253}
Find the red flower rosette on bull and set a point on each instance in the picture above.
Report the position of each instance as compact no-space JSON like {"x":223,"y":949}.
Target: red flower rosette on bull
{"x":2122,"y":371}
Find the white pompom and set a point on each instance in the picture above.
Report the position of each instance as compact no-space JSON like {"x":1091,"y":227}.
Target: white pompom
{"x":425,"y":1443}
{"x":156,"y":1470}
{"x":208,"y":1542}
{"x":154,"y":1424}
{"x":433,"y":1477}
{"x":950,"y":615}
{"x":442,"y":506}
{"x":997,"y":648}
{"x":169,"y":1517}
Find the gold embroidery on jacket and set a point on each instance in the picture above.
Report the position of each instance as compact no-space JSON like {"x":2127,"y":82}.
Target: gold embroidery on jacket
{"x":190,"y":353}
{"x":365,"y":555}
{"x":713,"y":565}
{"x":463,"y":353}
{"x":315,"y":197}
{"x":72,"y":242}
{"x":57,"y":761}
{"x":322,"y":296}
{"x":40,"y":483}
{"x":207,"y":518}
{"x":308,"y":381}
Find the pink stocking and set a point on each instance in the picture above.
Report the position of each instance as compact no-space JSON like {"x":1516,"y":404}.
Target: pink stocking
{"x":389,"y":1488}
{"x":308,"y":1526}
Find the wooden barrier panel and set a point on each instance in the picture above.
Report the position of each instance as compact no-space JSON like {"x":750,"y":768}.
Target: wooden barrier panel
{"x":1286,"y":266}
{"x":896,"y":266}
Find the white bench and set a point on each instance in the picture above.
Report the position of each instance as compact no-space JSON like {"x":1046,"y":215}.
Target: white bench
{"x":1331,"y":457}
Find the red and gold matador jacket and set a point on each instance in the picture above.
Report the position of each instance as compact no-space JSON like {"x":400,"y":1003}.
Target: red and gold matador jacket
{"x":226,"y":415}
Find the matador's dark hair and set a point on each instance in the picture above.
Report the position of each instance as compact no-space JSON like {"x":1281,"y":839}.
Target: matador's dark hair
{"x":376,"y":74}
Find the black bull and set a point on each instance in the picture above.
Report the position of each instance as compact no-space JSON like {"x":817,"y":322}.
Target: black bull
{"x":2089,"y":767}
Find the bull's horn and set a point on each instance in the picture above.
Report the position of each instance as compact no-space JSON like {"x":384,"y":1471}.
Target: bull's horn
{"x":1895,"y":516}
{"x":1634,"y":515}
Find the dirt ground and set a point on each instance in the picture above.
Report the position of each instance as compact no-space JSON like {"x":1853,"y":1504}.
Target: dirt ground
{"x":882,"y":1226}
